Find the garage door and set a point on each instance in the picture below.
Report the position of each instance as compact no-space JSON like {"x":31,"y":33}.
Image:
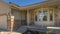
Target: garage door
{"x":3,"y":22}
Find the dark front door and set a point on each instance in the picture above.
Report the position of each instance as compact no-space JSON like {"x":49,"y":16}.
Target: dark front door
{"x":23,"y":18}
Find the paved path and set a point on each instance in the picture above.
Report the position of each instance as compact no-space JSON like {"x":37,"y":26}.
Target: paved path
{"x":22,"y":29}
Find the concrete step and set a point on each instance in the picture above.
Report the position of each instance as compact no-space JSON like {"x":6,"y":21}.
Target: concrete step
{"x":22,"y":29}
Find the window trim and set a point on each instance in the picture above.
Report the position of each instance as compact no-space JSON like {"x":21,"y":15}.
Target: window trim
{"x":48,"y":16}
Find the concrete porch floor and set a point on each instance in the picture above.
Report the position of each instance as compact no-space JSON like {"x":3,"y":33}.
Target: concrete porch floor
{"x":24,"y":28}
{"x":9,"y":33}
{"x":3,"y":31}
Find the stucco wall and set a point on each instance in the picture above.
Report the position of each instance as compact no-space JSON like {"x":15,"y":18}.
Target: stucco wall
{"x":4,"y":8}
{"x":3,"y":22}
{"x":16,"y":15}
{"x":58,"y":14}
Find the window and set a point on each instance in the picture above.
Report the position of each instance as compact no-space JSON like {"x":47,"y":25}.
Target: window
{"x":42,"y":15}
{"x":35,"y":17}
{"x":45,"y":16}
{"x":51,"y":14}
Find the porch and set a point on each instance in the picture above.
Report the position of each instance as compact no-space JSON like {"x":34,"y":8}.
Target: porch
{"x":38,"y":16}
{"x":42,"y":14}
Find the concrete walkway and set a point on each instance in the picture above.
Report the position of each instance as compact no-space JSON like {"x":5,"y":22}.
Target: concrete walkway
{"x":22,"y":29}
{"x":9,"y":33}
{"x":3,"y":31}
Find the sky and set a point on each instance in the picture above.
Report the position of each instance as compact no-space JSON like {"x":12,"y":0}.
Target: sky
{"x":23,"y":2}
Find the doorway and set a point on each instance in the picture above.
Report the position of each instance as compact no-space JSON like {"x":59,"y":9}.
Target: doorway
{"x":23,"y":18}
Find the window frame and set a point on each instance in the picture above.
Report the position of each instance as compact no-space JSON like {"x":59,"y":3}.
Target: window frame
{"x":48,"y":14}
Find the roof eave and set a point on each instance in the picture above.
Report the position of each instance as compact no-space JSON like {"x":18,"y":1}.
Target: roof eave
{"x":43,"y":4}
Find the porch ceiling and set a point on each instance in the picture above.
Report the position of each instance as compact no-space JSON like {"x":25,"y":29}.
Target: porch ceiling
{"x":42,"y":4}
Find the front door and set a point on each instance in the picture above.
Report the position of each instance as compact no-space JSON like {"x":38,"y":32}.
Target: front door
{"x":23,"y":18}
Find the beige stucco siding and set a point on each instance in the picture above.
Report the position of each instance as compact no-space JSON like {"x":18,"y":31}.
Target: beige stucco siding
{"x":3,"y":22}
{"x":4,"y":8}
{"x":16,"y":15}
{"x":58,"y":14}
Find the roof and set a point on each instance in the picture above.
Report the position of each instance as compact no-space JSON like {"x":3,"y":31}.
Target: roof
{"x":14,"y":4}
{"x":40,"y":4}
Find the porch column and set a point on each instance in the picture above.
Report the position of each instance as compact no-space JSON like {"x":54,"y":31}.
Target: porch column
{"x":56,"y":17}
{"x":27,"y":17}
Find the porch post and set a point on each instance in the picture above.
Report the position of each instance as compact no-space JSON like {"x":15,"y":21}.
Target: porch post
{"x":27,"y":17}
{"x":56,"y":17}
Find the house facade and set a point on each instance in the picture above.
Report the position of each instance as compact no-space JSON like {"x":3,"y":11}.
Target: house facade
{"x":45,"y":13}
